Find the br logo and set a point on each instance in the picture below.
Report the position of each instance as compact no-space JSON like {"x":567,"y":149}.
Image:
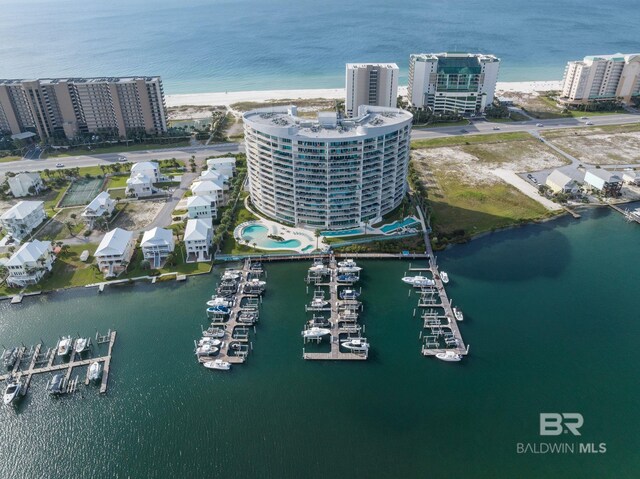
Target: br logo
{"x":554,"y":424}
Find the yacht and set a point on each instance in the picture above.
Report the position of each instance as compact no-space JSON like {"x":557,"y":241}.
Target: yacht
{"x":64,"y":346}
{"x":449,"y":356}
{"x":444,"y":277}
{"x":81,"y":345}
{"x":318,"y":268}
{"x":95,"y":371}
{"x":315,"y":333}
{"x":218,"y":309}
{"x":206,"y":350}
{"x":56,"y":384}
{"x":219,"y":301}
{"x":458,"y":314}
{"x":357,"y":344}
{"x":319,"y":322}
{"x":347,"y":263}
{"x":347,"y":278}
{"x":218,"y":364}
{"x":214,"y":333}
{"x":418,"y":281}
{"x":247,"y":317}
{"x":231,"y":275}
{"x":9,"y":357}
{"x":209,"y":341}
{"x":12,"y":392}
{"x":349,"y":294}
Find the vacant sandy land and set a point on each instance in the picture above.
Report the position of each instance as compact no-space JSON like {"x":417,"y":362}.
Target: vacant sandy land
{"x":602,"y":148}
{"x":138,"y":214}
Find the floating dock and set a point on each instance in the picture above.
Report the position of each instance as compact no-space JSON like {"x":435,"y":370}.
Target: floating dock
{"x":47,"y":360}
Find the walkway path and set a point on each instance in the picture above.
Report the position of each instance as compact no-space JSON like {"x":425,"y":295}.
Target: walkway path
{"x":526,"y":188}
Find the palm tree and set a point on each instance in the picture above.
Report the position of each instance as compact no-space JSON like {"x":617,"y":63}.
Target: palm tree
{"x":254,"y":245}
{"x":317,"y":233}
{"x":70,"y":225}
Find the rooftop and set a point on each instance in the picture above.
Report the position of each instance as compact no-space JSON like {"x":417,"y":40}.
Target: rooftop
{"x":114,"y":243}
{"x":196,"y":229}
{"x":53,"y":81}
{"x":29,"y":252}
{"x":22,"y":210}
{"x":157,"y":236}
{"x":388,"y":66}
{"x":605,"y":175}
{"x":100,"y":200}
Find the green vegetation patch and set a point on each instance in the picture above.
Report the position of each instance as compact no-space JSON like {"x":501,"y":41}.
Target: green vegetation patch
{"x":470,"y":140}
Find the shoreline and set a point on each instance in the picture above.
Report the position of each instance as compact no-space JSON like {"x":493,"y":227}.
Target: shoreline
{"x":228,"y":98}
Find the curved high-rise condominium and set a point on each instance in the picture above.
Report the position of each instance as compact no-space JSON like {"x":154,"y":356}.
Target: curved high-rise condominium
{"x":329,"y":172}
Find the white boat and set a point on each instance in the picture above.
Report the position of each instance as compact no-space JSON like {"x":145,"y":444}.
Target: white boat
{"x":210,"y":341}
{"x":11,"y":392}
{"x":81,"y":345}
{"x":56,"y":385}
{"x":95,"y":371}
{"x":218,"y":364}
{"x":347,"y":263}
{"x":64,"y":346}
{"x":315,"y":333}
{"x":418,"y":281}
{"x":449,"y":356}
{"x":458,"y":314}
{"x":444,"y":277}
{"x":214,"y":333}
{"x":318,"y":268}
{"x":231,"y":275}
{"x":219,"y":301}
{"x":319,"y":303}
{"x":357,"y":344}
{"x":9,"y":357}
{"x":257,"y":283}
{"x":206,"y":350}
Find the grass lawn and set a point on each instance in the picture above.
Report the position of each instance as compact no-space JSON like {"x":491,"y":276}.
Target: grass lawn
{"x":470,"y":139}
{"x":181,"y":266}
{"x":121,"y":148}
{"x":513,"y":116}
{"x":440,"y":124}
{"x":117,"y":181}
{"x":52,"y":198}
{"x":628,"y":128}
{"x":7,"y":159}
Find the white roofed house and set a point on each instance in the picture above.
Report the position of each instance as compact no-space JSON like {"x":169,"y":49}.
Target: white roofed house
{"x":151,"y":169}
{"x":101,"y":206}
{"x":157,"y":244}
{"x":217,"y":177}
{"x":198,"y":239}
{"x":602,"y":180}
{"x":23,"y":218}
{"x":225,"y":165}
{"x":202,"y":207}
{"x":208,"y":188}
{"x":559,"y":182}
{"x":25,"y":184}
{"x":631,"y":177}
{"x":140,"y":186}
{"x":114,"y":252}
{"x":29,"y":264}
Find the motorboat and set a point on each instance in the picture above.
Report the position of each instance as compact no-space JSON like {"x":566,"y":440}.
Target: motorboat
{"x":219,"y":301}
{"x":218,"y":364}
{"x":357,"y":344}
{"x":81,"y":345}
{"x":207,"y":350}
{"x":418,"y":281}
{"x":231,"y":275}
{"x":347,"y":278}
{"x":349,"y":294}
{"x":236,"y":346}
{"x":255,"y":282}
{"x":318,"y":303}
{"x":64,"y":346}
{"x":12,"y":392}
{"x":95,"y":371}
{"x":458,"y":314}
{"x":256,"y":266}
{"x":214,"y":333}
{"x":315,"y":332}
{"x":347,"y":263}
{"x":218,"y":309}
{"x":319,"y":268}
{"x":449,"y":356}
{"x":210,"y":341}
{"x":9,"y":357}
{"x":444,"y":277}
{"x":56,"y":384}
{"x":319,"y":322}
{"x":247,"y":317}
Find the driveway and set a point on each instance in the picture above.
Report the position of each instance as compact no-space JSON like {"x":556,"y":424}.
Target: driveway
{"x":165,"y":215}
{"x":526,"y":188}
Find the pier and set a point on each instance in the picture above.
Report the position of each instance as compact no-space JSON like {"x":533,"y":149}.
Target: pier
{"x":343,"y":313}
{"x":626,"y":213}
{"x":45,"y":363}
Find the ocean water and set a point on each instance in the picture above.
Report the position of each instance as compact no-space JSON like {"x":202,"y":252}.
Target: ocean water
{"x":235,"y":45}
{"x":550,"y":316}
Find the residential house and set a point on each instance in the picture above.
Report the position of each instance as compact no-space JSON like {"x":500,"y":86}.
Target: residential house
{"x":23,"y":218}
{"x":157,"y":244}
{"x":559,"y":182}
{"x":602,"y":180}
{"x":29,"y":264}
{"x":140,"y":186}
{"x":25,"y":184}
{"x":201,"y":207}
{"x":150,"y":169}
{"x":198,"y":239}
{"x":114,"y":252}
{"x":631,"y":177}
{"x":217,"y":177}
{"x":208,"y":188}
{"x":101,"y":206}
{"x":226,"y":165}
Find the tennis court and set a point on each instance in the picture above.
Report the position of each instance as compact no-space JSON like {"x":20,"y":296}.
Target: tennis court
{"x":81,"y":192}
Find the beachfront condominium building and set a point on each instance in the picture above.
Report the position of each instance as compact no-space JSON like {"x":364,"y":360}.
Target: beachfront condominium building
{"x":462,"y":83}
{"x":68,"y":107}
{"x":374,"y":84}
{"x":602,"y":78}
{"x":327,"y":173}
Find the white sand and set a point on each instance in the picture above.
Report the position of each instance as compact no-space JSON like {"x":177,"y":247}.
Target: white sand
{"x":227,"y":98}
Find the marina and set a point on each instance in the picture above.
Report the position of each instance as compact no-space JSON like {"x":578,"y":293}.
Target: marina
{"x":38,"y":362}
{"x":341,"y":328}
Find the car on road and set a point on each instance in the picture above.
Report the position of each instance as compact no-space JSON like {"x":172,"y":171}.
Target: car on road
{"x":496,"y":127}
{"x":589,"y":123}
{"x":530,"y":176}
{"x":59,"y":165}
{"x":122,"y":158}
{"x":540,"y":125}
{"x":463,"y":131}
{"x":534,"y":180}
{"x":584,"y":117}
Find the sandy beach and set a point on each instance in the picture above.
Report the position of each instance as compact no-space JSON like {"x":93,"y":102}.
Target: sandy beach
{"x":228,"y":98}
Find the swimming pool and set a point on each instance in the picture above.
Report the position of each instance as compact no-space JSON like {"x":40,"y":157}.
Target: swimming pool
{"x":355,"y":231}
{"x":259,"y":235}
{"x":399,"y":224}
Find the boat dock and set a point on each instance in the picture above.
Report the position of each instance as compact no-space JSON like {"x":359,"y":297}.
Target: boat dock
{"x":343,"y":313}
{"x":241,"y":318}
{"x":40,"y":363}
{"x":630,"y":216}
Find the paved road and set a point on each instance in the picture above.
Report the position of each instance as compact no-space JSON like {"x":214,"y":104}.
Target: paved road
{"x":484,"y":127}
{"x":164,"y":216}
{"x":183,"y":153}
